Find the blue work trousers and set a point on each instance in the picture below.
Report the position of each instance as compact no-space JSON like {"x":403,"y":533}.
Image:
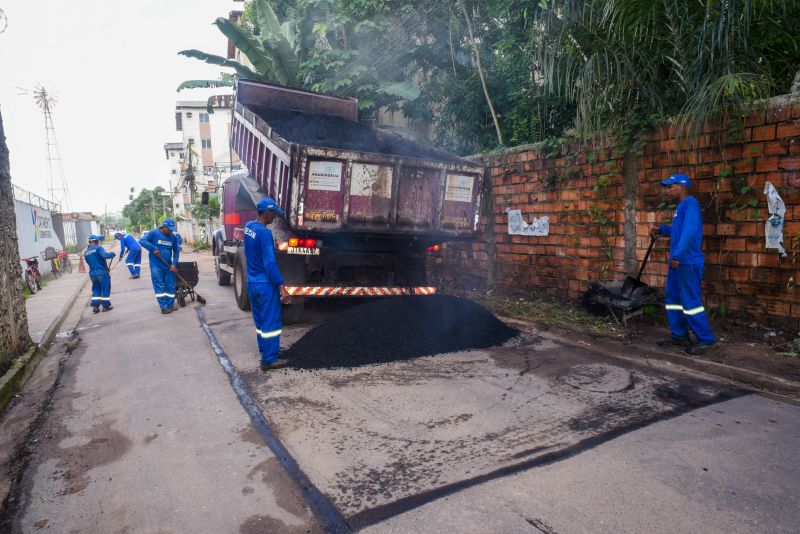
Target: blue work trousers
{"x":134,"y":262}
{"x":265,"y":301}
{"x":163,"y":285}
{"x":101,"y":290}
{"x":684,"y":306}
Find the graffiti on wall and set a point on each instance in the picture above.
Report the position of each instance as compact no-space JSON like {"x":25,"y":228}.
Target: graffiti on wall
{"x":42,"y":225}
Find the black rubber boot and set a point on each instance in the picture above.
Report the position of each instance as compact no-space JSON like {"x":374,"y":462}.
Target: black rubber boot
{"x":96,"y":309}
{"x":684,"y":342}
{"x":277,"y":364}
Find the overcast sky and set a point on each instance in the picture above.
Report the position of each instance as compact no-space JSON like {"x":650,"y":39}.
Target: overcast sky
{"x":113,"y":67}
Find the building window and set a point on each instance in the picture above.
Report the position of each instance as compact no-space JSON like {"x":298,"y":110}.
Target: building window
{"x":206,"y":143}
{"x":174,"y":171}
{"x":188,"y":114}
{"x":178,"y":122}
{"x":204,"y":117}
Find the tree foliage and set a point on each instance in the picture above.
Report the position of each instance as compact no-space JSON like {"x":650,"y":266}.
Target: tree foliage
{"x":146,"y":209}
{"x":550,"y":67}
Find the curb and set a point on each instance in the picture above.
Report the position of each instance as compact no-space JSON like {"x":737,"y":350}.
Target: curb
{"x":13,"y":380}
{"x":745,"y":377}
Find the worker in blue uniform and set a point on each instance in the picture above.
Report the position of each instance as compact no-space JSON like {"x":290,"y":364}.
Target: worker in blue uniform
{"x":265,"y":284}
{"x":684,"y":305}
{"x":164,"y":254}
{"x":95,"y":257}
{"x":134,"y":259}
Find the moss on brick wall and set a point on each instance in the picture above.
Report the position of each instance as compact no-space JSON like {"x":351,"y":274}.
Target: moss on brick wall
{"x":580,"y":188}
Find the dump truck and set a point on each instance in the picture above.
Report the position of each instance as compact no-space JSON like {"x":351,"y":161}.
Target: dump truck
{"x":363,"y":206}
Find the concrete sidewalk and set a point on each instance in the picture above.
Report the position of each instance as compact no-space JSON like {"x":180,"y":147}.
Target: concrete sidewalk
{"x":46,"y":305}
{"x":145,"y":434}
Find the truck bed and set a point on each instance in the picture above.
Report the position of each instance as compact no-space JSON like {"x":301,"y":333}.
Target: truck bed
{"x":335,"y":175}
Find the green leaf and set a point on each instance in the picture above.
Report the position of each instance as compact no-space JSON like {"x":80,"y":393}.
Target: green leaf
{"x":744,"y":190}
{"x":213,"y":59}
{"x":204,"y":84}
{"x":405,"y":90}
{"x":725,"y":171}
{"x":753,"y":203}
{"x":247,"y":43}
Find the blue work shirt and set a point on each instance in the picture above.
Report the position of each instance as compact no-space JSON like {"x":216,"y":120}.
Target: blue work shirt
{"x":96,"y":257}
{"x":128,"y":242}
{"x":167,"y":244}
{"x":259,"y":249}
{"x":686,"y":233}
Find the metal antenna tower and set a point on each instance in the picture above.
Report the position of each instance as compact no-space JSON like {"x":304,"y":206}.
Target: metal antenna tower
{"x":57,"y":181}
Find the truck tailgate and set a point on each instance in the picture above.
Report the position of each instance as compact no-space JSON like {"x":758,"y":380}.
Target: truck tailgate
{"x":341,"y":190}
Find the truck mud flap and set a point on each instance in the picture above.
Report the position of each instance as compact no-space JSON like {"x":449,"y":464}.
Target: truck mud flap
{"x":312,"y":291}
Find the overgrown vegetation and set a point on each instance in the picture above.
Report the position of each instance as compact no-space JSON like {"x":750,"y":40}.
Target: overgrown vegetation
{"x":550,"y":67}
{"x":555,"y":314}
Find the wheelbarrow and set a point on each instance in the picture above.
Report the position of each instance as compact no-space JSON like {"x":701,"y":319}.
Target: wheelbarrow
{"x":625,"y":300}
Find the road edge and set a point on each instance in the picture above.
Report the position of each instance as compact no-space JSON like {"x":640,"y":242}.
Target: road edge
{"x":740,"y":376}
{"x":14,"y":379}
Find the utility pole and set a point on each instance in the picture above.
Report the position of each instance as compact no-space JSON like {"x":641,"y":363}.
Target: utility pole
{"x":153,"y":210}
{"x":106,"y":215}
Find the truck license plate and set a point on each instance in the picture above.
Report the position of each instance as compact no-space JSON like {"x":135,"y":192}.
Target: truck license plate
{"x":304,"y":251}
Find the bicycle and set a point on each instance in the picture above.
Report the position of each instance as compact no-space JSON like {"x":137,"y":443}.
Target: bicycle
{"x":33,"y":278}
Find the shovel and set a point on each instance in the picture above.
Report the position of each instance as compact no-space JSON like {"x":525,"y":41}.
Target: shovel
{"x":631,"y":284}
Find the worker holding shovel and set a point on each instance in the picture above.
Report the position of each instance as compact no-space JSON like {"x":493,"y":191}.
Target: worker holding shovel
{"x":96,"y":257}
{"x":134,"y":259}
{"x":684,"y":306}
{"x":164,"y":253}
{"x":265,"y":284}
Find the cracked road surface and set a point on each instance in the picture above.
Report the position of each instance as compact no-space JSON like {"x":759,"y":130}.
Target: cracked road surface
{"x":147,"y":435}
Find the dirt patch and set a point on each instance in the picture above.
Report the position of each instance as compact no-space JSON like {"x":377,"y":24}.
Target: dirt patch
{"x":106,"y":445}
{"x":264,"y":524}
{"x":273,"y":474}
{"x":398,"y":329}
{"x":251,"y":435}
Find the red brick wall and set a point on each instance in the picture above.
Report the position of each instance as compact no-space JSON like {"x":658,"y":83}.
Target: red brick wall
{"x":729,"y":167}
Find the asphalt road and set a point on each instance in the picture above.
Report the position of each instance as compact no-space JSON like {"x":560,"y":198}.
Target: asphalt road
{"x":148,"y":434}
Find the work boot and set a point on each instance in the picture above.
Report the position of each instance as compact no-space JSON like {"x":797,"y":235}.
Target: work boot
{"x":672,"y":341}
{"x":699,"y":348}
{"x":277,"y":364}
{"x":96,"y":309}
{"x":135,"y":277}
{"x":165,"y":311}
{"x":108,"y":308}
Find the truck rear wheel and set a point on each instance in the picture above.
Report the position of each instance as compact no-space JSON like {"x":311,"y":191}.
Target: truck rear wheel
{"x":223,"y":277}
{"x":240,"y":282}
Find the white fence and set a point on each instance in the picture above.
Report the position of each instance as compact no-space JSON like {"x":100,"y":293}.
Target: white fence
{"x":197,"y":231}
{"x":35,"y":233}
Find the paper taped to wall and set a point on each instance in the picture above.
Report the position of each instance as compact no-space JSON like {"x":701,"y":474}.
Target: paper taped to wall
{"x":774,"y":225}
{"x":517,"y":226}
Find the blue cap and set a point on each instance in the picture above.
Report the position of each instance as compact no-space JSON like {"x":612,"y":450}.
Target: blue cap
{"x":117,"y":234}
{"x":169,"y":223}
{"x":93,"y":237}
{"x":267,"y":204}
{"x":677,"y":179}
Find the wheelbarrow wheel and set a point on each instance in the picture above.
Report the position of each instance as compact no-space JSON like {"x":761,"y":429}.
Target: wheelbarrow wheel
{"x":192,"y":296}
{"x":182,"y":299}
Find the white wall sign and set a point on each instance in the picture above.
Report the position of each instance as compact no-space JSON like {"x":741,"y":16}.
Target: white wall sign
{"x":517,"y":225}
{"x":325,"y":176}
{"x":35,"y":233}
{"x":459,"y":188}
{"x":371,"y":181}
{"x":774,"y":225}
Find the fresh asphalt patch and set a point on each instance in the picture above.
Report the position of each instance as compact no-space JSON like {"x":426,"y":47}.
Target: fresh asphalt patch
{"x":398,"y":329}
{"x":379,"y":439}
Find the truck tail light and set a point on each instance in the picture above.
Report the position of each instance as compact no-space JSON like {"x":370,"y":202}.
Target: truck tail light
{"x":434,"y":248}
{"x":294,"y":242}
{"x":310,"y":243}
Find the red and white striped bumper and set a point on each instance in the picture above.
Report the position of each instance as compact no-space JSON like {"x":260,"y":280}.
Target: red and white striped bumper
{"x":308,"y":291}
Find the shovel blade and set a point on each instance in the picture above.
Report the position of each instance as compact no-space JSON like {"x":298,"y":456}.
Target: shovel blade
{"x":630,"y":285}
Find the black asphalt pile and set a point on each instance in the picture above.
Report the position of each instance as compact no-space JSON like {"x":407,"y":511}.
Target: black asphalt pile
{"x":342,"y":134}
{"x":398,"y":329}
